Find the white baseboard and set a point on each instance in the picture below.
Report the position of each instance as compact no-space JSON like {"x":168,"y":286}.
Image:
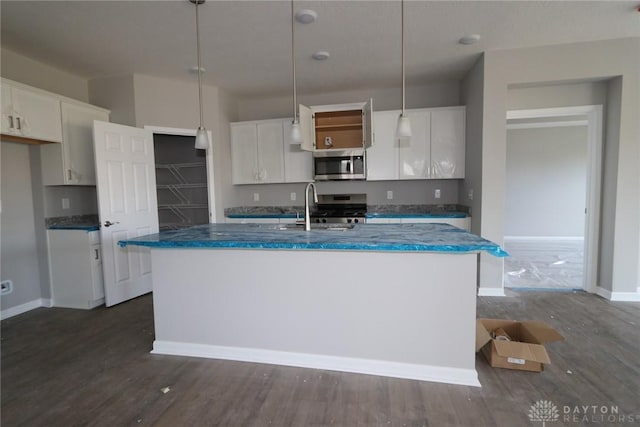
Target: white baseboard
{"x":491,"y":292}
{"x":23,"y":308}
{"x":618,"y":296}
{"x":332,"y":363}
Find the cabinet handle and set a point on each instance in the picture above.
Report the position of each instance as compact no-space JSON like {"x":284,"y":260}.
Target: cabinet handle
{"x":18,"y":122}
{"x":69,"y":174}
{"x":97,"y":254}
{"x":10,"y":122}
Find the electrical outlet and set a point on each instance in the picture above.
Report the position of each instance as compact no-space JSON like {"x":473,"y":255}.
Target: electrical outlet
{"x":436,"y":193}
{"x":6,"y":286}
{"x":470,"y":194}
{"x":256,"y":197}
{"x":389,"y":195}
{"x":65,"y":203}
{"x":294,"y":196}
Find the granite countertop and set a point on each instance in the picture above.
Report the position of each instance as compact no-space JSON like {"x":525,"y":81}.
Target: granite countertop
{"x":362,"y":237}
{"x":78,"y":226}
{"x":373,"y":211}
{"x":87,"y":223}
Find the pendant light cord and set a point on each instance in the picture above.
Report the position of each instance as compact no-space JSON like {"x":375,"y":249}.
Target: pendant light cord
{"x":402,"y":39}
{"x":293,"y":66}
{"x":197,"y":2}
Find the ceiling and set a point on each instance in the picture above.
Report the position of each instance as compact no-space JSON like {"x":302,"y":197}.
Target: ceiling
{"x":246,"y":45}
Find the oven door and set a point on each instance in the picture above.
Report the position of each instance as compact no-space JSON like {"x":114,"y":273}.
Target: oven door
{"x":339,"y":167}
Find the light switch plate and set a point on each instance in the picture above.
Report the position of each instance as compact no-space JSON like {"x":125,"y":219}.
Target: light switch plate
{"x":389,"y":195}
{"x":436,"y":193}
{"x":65,"y":203}
{"x":256,"y":197}
{"x":293,"y":196}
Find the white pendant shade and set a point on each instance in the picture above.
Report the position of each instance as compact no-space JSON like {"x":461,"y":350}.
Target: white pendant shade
{"x":403,"y":130}
{"x":296,"y":135}
{"x":202,"y":139}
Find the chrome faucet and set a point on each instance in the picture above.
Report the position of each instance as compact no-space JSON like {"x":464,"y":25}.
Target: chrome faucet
{"x":307,"y":215}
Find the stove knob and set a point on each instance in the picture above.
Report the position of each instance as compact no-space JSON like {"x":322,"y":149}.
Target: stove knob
{"x":349,"y":220}
{"x":324,"y":220}
{"x":355,"y":220}
{"x":317,"y":219}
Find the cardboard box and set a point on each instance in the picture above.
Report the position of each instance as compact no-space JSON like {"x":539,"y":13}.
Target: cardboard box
{"x":524,"y":352}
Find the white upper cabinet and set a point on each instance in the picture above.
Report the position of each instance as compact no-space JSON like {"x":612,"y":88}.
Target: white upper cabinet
{"x":382,"y":157}
{"x":298,"y":163}
{"x":448,"y":143}
{"x":337,"y":127}
{"x":414,"y":153}
{"x":30,"y":113}
{"x":72,"y":162}
{"x":436,"y":149}
{"x":257,"y":155}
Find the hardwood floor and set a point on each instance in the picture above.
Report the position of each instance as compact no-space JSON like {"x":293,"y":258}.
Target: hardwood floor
{"x":65,"y":367}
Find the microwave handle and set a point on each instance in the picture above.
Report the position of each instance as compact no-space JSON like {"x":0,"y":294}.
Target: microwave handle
{"x":349,"y":165}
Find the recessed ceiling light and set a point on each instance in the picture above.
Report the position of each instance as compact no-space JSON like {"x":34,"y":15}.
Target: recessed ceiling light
{"x":470,"y":39}
{"x":306,"y":16}
{"x":320,"y":55}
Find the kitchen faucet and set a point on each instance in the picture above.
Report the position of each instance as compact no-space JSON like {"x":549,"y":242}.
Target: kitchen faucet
{"x":307,"y":215}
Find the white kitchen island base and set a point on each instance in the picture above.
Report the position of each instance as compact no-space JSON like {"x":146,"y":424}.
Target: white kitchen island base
{"x":398,"y":314}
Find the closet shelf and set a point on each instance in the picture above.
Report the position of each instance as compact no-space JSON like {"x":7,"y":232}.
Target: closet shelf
{"x":180,"y":186}
{"x":183,"y":206}
{"x":180,"y":165}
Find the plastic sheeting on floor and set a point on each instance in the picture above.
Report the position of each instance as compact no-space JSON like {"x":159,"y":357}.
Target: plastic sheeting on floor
{"x":544,"y":264}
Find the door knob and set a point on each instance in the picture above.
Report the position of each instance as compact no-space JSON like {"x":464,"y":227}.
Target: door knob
{"x":109,"y":223}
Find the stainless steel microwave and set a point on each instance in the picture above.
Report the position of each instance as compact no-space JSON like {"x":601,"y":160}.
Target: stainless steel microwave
{"x":339,"y":165}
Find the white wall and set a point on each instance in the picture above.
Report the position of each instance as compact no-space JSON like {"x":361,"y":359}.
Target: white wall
{"x":546,"y":181}
{"x":19,"y":248}
{"x":557,"y":95}
{"x":33,"y":73}
{"x":115,"y":93}
{"x":575,"y":62}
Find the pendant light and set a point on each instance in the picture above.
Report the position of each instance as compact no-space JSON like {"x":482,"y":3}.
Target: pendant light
{"x":403,"y":129}
{"x":202,"y":137}
{"x":296,"y":134}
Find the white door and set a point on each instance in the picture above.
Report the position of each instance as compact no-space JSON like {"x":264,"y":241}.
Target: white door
{"x":127,"y":206}
{"x":367,"y":124}
{"x":414,"y":152}
{"x":382,"y":157}
{"x":244,"y":154}
{"x":306,"y":128}
{"x":447,"y":143}
{"x":38,"y":114}
{"x":298,"y":163}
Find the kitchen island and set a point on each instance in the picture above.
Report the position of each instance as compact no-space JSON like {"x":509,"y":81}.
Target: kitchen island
{"x":385,"y":299}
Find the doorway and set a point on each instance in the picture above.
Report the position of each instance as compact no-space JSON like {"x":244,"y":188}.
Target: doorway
{"x":553,"y":197}
{"x":184,"y":179}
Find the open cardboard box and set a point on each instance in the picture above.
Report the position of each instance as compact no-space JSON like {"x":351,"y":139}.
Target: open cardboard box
{"x":525,"y":351}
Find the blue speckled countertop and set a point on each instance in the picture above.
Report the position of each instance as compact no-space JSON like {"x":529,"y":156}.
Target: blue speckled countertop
{"x":363,"y":237}
{"x":373,"y":211}
{"x":85,"y":227}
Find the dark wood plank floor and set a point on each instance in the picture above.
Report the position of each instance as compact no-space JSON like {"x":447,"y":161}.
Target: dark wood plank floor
{"x":70,"y":368}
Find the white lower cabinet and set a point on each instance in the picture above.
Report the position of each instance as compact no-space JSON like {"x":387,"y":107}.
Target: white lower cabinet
{"x":464,"y":223}
{"x":75,"y":266}
{"x":252,"y":220}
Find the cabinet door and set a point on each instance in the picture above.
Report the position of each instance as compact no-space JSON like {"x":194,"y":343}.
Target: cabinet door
{"x":7,"y":113}
{"x":382,"y":157}
{"x":270,"y":152}
{"x":77,"y":122}
{"x":38,"y":115}
{"x":306,"y":128}
{"x":448,"y":143}
{"x":463,"y":223}
{"x":244,"y":153}
{"x":414,"y":152}
{"x":368,"y":124}
{"x":298,"y":163}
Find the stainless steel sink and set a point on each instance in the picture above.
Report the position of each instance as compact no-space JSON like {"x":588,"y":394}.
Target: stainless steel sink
{"x":317,"y":227}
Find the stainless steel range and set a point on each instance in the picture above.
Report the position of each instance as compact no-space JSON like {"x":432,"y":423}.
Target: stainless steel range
{"x":340,"y":208}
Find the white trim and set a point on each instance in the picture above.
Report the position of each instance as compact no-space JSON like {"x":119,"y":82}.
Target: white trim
{"x":558,"y":124}
{"x":458,"y":376}
{"x":618,"y":296}
{"x":210,"y":175}
{"x":23,"y":308}
{"x":491,"y":292}
{"x":543,"y":238}
{"x":593,"y":114}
